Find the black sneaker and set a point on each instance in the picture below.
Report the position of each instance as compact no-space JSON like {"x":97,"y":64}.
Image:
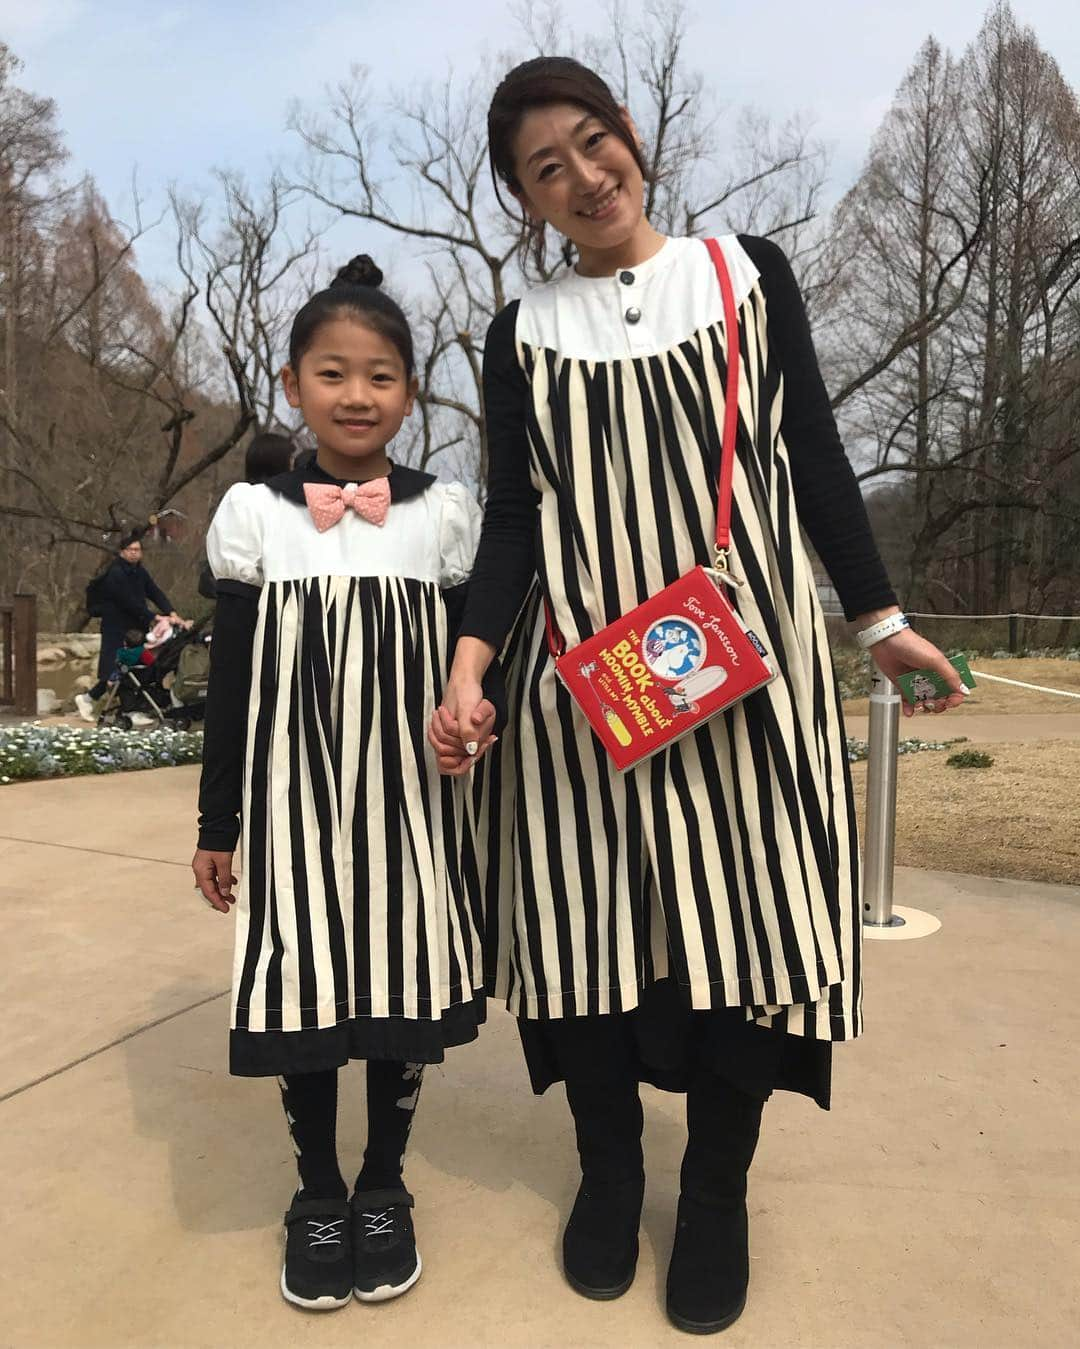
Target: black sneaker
{"x":318,"y":1265}
{"x":386,"y":1262}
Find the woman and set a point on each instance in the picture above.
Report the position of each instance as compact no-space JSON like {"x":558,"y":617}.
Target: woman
{"x":127,"y":591}
{"x":693,"y":923}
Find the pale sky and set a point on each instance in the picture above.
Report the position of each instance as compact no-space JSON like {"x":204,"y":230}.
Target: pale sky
{"x":177,"y":88}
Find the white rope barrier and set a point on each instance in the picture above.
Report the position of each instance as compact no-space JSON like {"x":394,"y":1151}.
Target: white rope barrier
{"x":1051,"y":618}
{"x":1019,"y":683}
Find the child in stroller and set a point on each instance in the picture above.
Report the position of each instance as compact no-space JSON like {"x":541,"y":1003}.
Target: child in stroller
{"x":159,"y":678}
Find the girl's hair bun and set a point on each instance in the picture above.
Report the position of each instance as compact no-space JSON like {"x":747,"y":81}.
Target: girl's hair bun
{"x":359,"y":271}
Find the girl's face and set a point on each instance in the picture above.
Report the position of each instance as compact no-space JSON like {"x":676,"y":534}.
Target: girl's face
{"x":352,"y":389}
{"x":579,"y":177}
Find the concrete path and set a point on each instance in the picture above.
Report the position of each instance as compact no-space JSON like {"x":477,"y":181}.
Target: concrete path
{"x":995,"y":728}
{"x":937,"y":1205}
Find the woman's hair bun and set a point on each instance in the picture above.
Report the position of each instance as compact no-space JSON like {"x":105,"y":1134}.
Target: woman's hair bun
{"x":359,"y":271}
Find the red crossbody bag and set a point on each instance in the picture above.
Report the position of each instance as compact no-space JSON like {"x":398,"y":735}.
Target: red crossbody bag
{"x":661,"y":670}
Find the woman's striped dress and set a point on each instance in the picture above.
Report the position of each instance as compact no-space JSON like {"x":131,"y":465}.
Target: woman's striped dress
{"x":358,"y":924}
{"x":729,"y":861}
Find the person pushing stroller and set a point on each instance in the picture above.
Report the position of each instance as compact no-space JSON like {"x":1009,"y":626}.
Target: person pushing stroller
{"x":121,"y":597}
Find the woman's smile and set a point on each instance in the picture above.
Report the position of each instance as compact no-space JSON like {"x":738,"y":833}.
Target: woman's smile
{"x":604,"y":208}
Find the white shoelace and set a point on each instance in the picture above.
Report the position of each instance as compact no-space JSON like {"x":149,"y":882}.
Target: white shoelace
{"x":379,"y":1224}
{"x":324,"y":1234}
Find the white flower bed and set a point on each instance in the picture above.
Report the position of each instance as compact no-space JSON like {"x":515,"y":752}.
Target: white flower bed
{"x":859,"y":749}
{"x":33,"y":751}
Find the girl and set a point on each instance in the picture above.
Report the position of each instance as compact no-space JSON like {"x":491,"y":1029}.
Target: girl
{"x":358,"y":927}
{"x":693,"y":923}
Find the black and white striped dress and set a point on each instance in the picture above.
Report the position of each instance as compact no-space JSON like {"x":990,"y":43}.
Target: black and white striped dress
{"x":728,"y":863}
{"x":358,"y":928}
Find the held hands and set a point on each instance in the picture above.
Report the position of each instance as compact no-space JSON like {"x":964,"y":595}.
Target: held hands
{"x":461,"y":729}
{"x":907,"y":651}
{"x":214,"y":878}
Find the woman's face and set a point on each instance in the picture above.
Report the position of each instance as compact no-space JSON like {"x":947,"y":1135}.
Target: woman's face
{"x":578,"y":176}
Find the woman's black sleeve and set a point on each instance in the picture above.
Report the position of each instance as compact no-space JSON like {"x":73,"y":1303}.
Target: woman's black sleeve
{"x":827,"y":495}
{"x":227,"y":697}
{"x":506,"y":558}
{"x":493,"y":683}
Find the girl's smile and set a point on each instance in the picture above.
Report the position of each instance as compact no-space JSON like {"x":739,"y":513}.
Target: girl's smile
{"x":352,"y":388}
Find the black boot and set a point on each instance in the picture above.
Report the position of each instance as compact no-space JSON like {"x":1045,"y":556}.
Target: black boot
{"x":710,"y":1261}
{"x":600,"y":1243}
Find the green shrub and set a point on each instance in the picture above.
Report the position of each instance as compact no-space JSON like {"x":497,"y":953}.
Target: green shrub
{"x":970,"y":758}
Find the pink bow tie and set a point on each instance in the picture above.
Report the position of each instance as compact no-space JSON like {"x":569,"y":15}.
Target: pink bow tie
{"x":327,"y":502}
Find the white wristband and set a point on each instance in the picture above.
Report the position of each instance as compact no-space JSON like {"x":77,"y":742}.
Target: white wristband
{"x":877,"y":632}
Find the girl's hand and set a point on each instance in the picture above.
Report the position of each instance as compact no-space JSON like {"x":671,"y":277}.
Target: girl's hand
{"x":906,"y":651}
{"x":464,"y":722}
{"x":214,"y":878}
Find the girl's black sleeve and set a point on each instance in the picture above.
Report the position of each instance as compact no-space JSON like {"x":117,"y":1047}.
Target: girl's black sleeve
{"x":827,"y":495}
{"x":227,"y":697}
{"x":506,"y":558}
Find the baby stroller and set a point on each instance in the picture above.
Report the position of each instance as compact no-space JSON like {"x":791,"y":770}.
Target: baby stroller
{"x":170,"y":690}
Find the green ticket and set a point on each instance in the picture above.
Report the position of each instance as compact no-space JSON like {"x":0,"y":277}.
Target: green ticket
{"x":921,"y":685}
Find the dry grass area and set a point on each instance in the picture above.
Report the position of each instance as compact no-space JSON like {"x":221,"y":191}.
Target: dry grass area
{"x":988,"y":697}
{"x":1019,"y":818}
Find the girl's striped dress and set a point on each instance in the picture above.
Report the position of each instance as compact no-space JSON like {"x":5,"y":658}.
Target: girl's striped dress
{"x":726,"y":865}
{"x":358,"y":923}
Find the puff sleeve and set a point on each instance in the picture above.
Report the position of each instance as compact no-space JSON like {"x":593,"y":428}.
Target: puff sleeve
{"x":459,"y":535}
{"x":234,"y":541}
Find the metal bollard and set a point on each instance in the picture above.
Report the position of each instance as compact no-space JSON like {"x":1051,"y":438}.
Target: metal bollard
{"x":879,"y":835}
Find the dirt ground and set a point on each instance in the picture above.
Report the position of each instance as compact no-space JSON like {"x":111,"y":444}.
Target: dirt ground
{"x":1019,"y":818}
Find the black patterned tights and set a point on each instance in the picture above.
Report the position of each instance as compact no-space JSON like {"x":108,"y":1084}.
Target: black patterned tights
{"x":310,"y":1101}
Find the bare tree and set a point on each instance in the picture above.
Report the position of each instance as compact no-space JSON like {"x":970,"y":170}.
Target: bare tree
{"x":134,"y":403}
{"x":954,"y":330}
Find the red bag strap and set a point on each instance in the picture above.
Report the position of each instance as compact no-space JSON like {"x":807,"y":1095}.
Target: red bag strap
{"x":556,"y":641}
{"x":731,"y":406}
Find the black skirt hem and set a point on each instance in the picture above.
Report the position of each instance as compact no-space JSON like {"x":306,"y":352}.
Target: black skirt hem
{"x":669,"y":1043}
{"x":271,"y":1053}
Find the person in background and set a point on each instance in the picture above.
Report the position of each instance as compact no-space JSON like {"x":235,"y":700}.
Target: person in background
{"x":267,"y":455}
{"x":127,"y":592}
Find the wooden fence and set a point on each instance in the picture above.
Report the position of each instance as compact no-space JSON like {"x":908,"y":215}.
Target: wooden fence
{"x":18,"y":666}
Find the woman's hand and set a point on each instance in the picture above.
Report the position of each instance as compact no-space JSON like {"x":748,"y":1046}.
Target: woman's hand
{"x":906,"y":651}
{"x":214,"y":878}
{"x":461,"y":729}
